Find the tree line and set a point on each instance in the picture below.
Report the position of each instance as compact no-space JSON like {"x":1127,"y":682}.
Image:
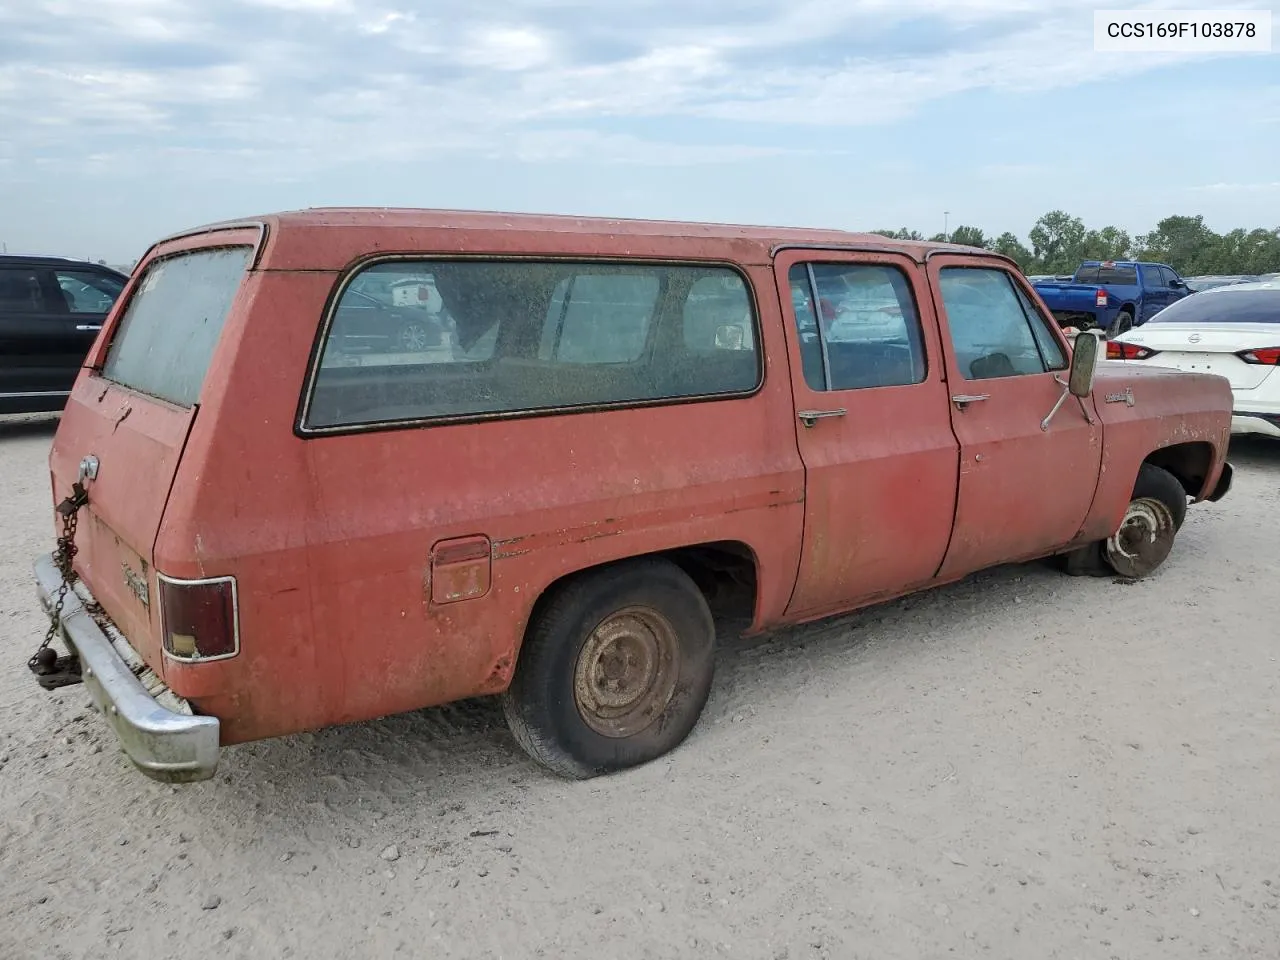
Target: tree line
{"x":1058,"y":242}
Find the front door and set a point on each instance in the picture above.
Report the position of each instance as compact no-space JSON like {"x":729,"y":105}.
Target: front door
{"x":871,"y":424}
{"x":1155,"y":293}
{"x":1025,"y":488}
{"x":88,"y":296}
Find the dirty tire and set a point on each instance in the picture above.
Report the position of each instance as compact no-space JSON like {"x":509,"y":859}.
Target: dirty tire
{"x":1092,"y":560}
{"x":1164,"y":486}
{"x":553,"y":706}
{"x":1155,"y":513}
{"x":1123,"y":323}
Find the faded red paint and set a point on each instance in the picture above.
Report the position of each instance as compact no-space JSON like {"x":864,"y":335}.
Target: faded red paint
{"x":362,"y":588}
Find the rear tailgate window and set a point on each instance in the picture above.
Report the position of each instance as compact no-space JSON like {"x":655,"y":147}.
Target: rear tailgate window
{"x":1119,"y":276}
{"x":172,"y":323}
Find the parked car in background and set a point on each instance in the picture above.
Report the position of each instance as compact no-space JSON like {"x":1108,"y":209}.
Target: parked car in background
{"x":557,"y":513}
{"x":1200,"y":284}
{"x":51,"y":310}
{"x":1112,"y":295}
{"x":385,"y":311}
{"x":1232,"y":331}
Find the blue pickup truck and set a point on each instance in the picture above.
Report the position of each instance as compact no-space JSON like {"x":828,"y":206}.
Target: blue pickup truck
{"x":1112,"y":295}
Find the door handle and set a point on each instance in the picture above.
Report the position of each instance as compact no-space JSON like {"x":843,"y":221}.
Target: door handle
{"x":810,"y":417}
{"x":964,"y":399}
{"x":88,"y":326}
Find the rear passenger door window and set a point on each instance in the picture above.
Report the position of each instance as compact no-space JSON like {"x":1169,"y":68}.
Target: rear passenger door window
{"x":857,"y":325}
{"x":995,"y":329}
{"x":22,"y":291}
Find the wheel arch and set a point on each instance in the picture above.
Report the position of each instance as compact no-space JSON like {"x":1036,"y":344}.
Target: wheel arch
{"x":1191,"y":463}
{"x":726,"y":572}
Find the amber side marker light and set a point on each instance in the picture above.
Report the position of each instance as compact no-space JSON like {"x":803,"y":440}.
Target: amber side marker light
{"x":199,"y":619}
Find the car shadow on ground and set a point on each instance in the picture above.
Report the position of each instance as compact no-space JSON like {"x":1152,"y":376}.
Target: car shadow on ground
{"x":464,"y":750}
{"x":17,"y":426}
{"x":1249,"y":452}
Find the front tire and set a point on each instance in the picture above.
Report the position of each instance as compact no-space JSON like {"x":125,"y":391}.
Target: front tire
{"x":1156,"y":511}
{"x":615,"y":670}
{"x":1151,"y":522}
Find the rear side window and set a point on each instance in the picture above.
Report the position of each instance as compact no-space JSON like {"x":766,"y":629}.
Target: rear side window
{"x":20,"y":290}
{"x":496,"y":338}
{"x":173,"y":321}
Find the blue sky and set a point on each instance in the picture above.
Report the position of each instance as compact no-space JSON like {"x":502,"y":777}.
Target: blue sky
{"x":124,"y":120}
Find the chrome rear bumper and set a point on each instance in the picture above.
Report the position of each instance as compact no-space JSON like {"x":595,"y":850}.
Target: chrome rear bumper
{"x":166,"y":744}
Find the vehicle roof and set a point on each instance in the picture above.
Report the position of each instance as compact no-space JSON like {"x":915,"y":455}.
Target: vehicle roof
{"x":413,"y":219}
{"x":14,"y":259}
{"x":1123,"y":263}
{"x":1250,"y":285}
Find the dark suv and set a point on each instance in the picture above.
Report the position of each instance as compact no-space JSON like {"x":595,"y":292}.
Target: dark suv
{"x":51,"y":309}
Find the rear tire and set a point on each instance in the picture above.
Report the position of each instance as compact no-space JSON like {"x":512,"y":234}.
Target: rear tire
{"x":615,"y":670}
{"x":1122,"y":324}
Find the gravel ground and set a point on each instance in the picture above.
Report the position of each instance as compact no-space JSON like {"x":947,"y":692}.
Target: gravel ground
{"x":1021,"y":765}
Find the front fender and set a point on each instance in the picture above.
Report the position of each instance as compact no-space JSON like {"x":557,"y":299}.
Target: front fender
{"x":1145,"y":410}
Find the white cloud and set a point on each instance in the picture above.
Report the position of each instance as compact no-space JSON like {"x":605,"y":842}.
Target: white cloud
{"x":333,"y":94}
{"x":334,"y":81}
{"x":507,"y":48}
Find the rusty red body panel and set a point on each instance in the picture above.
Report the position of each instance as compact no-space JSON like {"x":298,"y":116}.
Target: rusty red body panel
{"x":392,"y":569}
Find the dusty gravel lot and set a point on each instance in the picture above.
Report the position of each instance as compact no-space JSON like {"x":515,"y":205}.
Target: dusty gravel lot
{"x":1019,"y":766}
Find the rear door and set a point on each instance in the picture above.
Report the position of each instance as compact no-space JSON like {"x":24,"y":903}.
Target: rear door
{"x":40,"y":351}
{"x":131,"y":415}
{"x":871,"y":424}
{"x":1025,"y":489}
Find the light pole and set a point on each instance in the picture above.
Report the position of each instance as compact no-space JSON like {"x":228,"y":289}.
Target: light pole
{"x":946,"y":231}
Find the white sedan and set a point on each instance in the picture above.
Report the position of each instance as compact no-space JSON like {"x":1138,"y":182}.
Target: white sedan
{"x":1232,"y":331}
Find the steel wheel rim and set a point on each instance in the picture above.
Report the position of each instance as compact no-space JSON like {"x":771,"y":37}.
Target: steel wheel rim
{"x":1144,"y":538}
{"x":413,"y":337}
{"x":626,"y":672}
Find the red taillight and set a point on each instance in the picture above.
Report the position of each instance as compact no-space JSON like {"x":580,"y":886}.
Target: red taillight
{"x":198,"y":618}
{"x":1101,"y":298}
{"x":1267,"y":356}
{"x":1127,"y":351}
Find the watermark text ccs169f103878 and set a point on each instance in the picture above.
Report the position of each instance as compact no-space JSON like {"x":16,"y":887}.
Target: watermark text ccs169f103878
{"x":1182,"y":31}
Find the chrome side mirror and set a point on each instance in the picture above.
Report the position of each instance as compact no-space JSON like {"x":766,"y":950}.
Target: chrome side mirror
{"x":1079,"y":382}
{"x":1084,"y":363}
